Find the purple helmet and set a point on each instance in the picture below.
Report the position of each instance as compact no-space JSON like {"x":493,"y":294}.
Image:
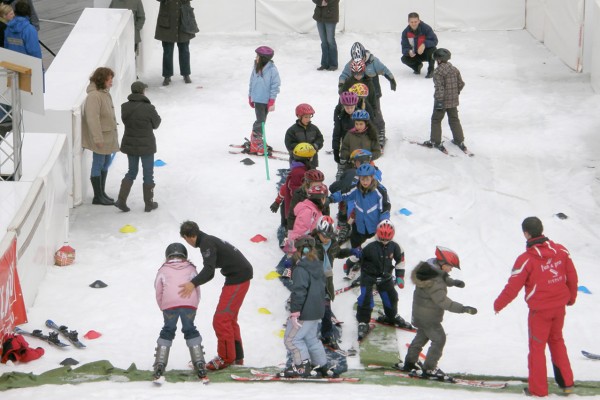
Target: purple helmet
{"x":265,"y":51}
{"x":349,"y":99}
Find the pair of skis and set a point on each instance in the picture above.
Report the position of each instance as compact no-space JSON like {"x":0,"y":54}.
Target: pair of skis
{"x":274,"y":154}
{"x":53,"y":337}
{"x":266,"y":377}
{"x":466,"y":151}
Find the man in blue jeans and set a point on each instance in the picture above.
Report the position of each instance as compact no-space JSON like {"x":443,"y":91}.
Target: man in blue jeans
{"x":327,"y":15}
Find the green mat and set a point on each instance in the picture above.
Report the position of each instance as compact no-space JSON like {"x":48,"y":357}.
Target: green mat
{"x":380,"y":347}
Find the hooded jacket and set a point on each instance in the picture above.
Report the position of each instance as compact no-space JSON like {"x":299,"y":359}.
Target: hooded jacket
{"x":307,"y":215}
{"x":547,"y":272}
{"x":21,"y":36}
{"x":140,"y":119}
{"x":430,"y":298}
{"x":170,"y":275}
{"x":308,"y":290}
{"x":99,"y":124}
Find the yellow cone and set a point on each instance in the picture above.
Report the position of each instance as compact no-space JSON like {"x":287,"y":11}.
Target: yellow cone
{"x":272,"y":275}
{"x":263,"y":310}
{"x":281,"y":333}
{"x":127,"y":229}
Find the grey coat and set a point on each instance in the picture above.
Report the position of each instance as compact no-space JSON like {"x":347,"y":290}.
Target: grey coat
{"x":139,"y":16}
{"x":308,"y":290}
{"x":140,"y":119}
{"x":168,"y":24}
{"x":430,"y":298}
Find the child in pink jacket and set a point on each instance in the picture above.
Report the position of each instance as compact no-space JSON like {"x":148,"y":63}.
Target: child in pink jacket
{"x":175,"y":271}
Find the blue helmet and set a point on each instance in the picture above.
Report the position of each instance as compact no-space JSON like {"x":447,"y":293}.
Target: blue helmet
{"x":365,"y":170}
{"x":360,"y":115}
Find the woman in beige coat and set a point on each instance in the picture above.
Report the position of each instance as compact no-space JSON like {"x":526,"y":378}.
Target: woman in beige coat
{"x":99,"y":130}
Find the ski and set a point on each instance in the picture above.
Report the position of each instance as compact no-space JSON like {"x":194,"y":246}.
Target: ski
{"x":466,"y":151}
{"x":591,"y":356}
{"x":256,"y":155}
{"x":354,"y":284}
{"x":70,"y":335}
{"x":454,"y":381}
{"x":408,"y":327}
{"x":266,"y":377}
{"x":427,"y":147}
{"x":51,"y":338}
{"x":241,"y":146}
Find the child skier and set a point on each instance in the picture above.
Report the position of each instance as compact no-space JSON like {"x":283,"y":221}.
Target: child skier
{"x":430,"y":300}
{"x":306,"y":311}
{"x":381,"y":266}
{"x":312,"y":177}
{"x":175,"y":271}
{"x":264,"y":87}
{"x":362,"y":136}
{"x":303,"y":131}
{"x":309,"y":211}
{"x":357,"y":68}
{"x":448,"y":85}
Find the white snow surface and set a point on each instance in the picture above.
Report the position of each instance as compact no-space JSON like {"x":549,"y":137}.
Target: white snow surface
{"x":531,"y":121}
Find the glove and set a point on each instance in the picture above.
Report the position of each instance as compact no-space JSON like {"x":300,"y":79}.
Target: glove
{"x":336,"y":156}
{"x":294,"y":318}
{"x":400,"y":282}
{"x":274,"y":207}
{"x":393,"y":84}
{"x":438,"y":105}
{"x":271,"y":105}
{"x":470,"y":310}
{"x":250,"y":102}
{"x":330,"y":199}
{"x":356,"y":252}
{"x":459,"y":284}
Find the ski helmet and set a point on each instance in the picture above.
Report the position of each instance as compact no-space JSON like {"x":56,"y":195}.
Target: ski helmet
{"x":314,"y":175}
{"x":442,"y":55}
{"x":385,"y":230}
{"x":325,"y":226}
{"x":357,"y":66}
{"x":365,"y":170}
{"x":357,"y":51}
{"x":265,"y":51}
{"x":360,"y":89}
{"x":176,"y":250}
{"x":361,"y":155}
{"x":360,"y":115}
{"x":304,"y":243}
{"x":349,"y":99}
{"x":304,"y":150}
{"x":447,"y":256}
{"x":318,"y":191}
{"x":304,"y":109}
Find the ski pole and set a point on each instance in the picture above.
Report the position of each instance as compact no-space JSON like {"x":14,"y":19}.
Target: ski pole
{"x":265,"y":149}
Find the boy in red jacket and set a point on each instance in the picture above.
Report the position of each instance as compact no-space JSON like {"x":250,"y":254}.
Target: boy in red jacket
{"x":550,"y":281}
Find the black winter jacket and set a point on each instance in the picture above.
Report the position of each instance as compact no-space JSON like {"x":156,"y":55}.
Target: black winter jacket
{"x":140,"y":119}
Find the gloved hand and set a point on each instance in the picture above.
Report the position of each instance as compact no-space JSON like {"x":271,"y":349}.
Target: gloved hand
{"x":294,"y":318}
{"x":400,"y":282}
{"x":250,"y":102}
{"x":336,"y":156}
{"x":330,"y":199}
{"x":271,"y":105}
{"x":274,"y":207}
{"x":459,"y":284}
{"x":393,"y":84}
{"x":438,"y":105}
{"x":470,"y":310}
{"x":356,"y":252}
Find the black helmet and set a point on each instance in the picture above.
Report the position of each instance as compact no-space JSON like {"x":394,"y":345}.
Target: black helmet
{"x":304,"y":243}
{"x":176,"y":250}
{"x":442,"y":55}
{"x":357,"y":51}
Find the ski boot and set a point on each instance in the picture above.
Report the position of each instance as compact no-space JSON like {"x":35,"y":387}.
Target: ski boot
{"x":302,"y":370}
{"x":435,"y":374}
{"x":324,"y":372}
{"x":460,"y":145}
{"x":431,"y":145}
{"x":163,"y":347}
{"x":197,"y":355}
{"x":363,"y":330}
{"x":405,"y":367}
{"x":217,"y":363}
{"x":401,"y":323}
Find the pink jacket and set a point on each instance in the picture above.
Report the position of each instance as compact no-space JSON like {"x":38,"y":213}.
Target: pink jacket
{"x":173,"y":273}
{"x":307,"y":216}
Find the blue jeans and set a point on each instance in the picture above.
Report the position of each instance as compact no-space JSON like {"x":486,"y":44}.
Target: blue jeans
{"x":147,"y":168}
{"x":101,"y":162}
{"x":171,"y":317}
{"x":329,"y":53}
{"x":183,"y":49}
{"x":303,"y":343}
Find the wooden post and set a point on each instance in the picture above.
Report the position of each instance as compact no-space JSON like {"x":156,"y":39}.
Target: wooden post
{"x":24,"y":75}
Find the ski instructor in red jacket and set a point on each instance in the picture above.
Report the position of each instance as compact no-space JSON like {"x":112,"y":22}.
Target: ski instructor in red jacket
{"x":237,"y":271}
{"x":550,"y":281}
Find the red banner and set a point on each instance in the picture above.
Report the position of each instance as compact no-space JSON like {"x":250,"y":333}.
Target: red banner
{"x":12,"y":306}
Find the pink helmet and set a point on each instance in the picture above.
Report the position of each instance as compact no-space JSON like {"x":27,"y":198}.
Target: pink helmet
{"x":304,"y":109}
{"x":357,"y":66}
{"x":349,"y":99}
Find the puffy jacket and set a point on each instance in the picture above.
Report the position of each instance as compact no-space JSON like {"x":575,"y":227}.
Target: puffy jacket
{"x":292,"y":182}
{"x":307,"y":216}
{"x":372,"y":205}
{"x":354,"y":140}
{"x":448,"y":84}
{"x":299,"y":196}
{"x":547,"y":273}
{"x":99,"y":125}
{"x":140,"y":119}
{"x":299,"y":133}
{"x":21,"y":36}
{"x":382,"y":261}
{"x":308,"y":290}
{"x":411,"y":40}
{"x":170,"y":275}
{"x":430,"y":298}
{"x":265,"y":84}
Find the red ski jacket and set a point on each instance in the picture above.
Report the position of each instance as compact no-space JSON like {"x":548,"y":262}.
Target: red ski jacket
{"x":548,"y":274}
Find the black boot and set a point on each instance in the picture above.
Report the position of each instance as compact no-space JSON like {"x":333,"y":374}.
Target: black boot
{"x":121,"y":202}
{"x":149,"y":197}
{"x":98,"y":198}
{"x":103,"y":175}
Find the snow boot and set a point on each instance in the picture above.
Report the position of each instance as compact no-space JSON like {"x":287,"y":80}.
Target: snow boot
{"x":187,"y":79}
{"x":98,"y":197}
{"x":363,"y":330}
{"x":163,"y":347}
{"x":103,"y":175}
{"x":121,"y":202}
{"x":197,"y":355}
{"x":149,"y":197}
{"x":217,"y":363}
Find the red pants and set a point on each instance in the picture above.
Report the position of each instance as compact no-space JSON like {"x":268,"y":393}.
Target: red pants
{"x":545,"y":327}
{"x":225,"y":322}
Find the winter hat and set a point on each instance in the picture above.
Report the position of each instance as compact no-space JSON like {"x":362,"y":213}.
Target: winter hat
{"x":265,"y":51}
{"x":138,"y":87}
{"x":426,"y":272}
